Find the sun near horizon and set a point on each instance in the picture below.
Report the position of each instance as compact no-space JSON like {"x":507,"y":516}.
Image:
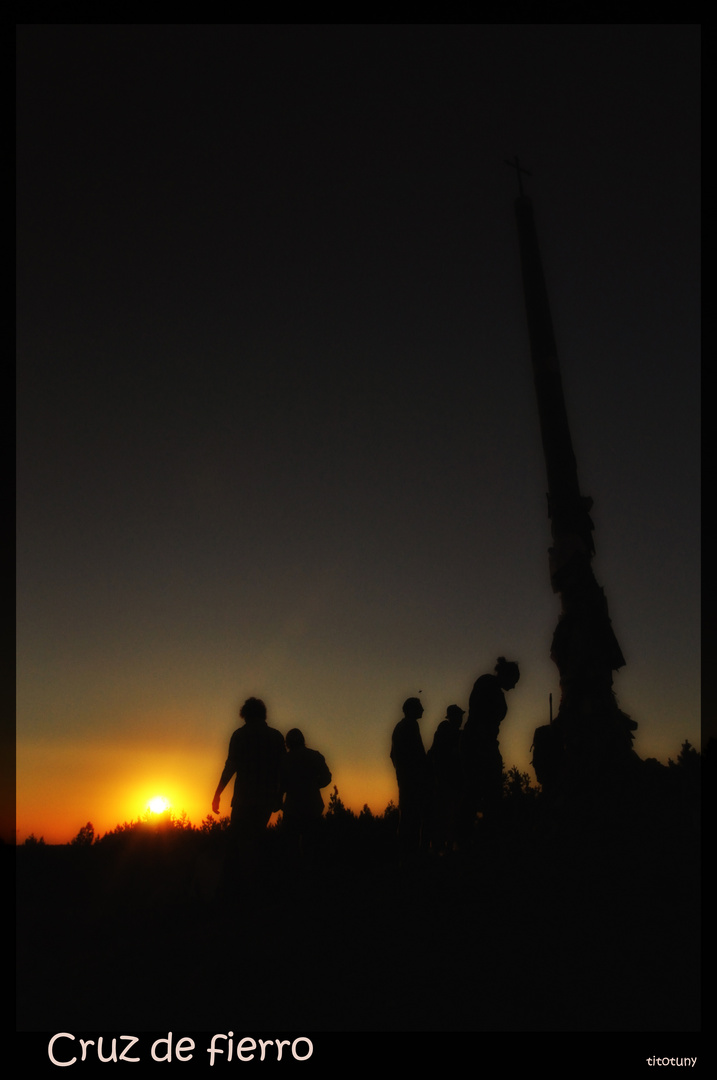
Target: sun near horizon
{"x":97,"y":789}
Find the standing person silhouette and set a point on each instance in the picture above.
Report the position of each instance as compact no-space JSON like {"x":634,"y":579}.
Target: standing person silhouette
{"x":304,"y":772}
{"x":482,"y":763}
{"x":444,"y":781}
{"x":409,"y":760}
{"x":256,"y":752}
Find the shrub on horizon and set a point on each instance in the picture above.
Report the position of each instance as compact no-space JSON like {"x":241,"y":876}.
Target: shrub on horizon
{"x":85,"y":836}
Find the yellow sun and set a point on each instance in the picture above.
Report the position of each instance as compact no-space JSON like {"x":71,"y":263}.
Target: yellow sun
{"x":158,"y":804}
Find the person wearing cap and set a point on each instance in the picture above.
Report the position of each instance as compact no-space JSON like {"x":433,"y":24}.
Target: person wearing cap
{"x":444,"y":775}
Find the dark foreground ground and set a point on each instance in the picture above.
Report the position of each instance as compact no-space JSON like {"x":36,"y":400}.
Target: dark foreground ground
{"x":539,"y":928}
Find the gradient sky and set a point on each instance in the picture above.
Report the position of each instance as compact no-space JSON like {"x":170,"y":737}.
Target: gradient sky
{"x":277,"y":432}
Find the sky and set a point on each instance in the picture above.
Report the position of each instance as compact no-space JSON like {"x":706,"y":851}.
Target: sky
{"x":276,"y":426}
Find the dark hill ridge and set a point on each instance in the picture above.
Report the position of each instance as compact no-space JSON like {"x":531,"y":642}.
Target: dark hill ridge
{"x":535,"y":928}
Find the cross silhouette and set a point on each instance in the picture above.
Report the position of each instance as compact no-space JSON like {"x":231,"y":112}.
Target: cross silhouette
{"x":518,"y":168}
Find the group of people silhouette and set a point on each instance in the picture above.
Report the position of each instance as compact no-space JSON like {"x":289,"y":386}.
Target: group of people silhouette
{"x":272,"y":773}
{"x":440,"y":791}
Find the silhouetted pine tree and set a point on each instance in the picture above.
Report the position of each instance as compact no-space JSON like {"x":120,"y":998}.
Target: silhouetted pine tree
{"x":85,"y":836}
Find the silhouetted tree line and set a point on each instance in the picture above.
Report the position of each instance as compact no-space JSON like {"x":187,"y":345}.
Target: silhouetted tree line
{"x":676,"y":786}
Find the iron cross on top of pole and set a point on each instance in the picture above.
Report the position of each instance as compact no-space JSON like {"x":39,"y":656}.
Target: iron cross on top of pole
{"x":515,"y":164}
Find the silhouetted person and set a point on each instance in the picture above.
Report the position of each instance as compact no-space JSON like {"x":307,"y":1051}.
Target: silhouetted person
{"x":409,"y":759}
{"x":482,"y":764}
{"x":256,"y":752}
{"x":444,"y":780}
{"x":304,"y":772}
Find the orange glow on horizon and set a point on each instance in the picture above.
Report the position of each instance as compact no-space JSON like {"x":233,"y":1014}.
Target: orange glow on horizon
{"x":60,"y":788}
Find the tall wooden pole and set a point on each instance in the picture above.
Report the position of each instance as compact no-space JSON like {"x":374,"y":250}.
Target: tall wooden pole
{"x":591,"y":738}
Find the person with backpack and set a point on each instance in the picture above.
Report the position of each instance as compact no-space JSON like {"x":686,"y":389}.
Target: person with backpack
{"x":304,"y":773}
